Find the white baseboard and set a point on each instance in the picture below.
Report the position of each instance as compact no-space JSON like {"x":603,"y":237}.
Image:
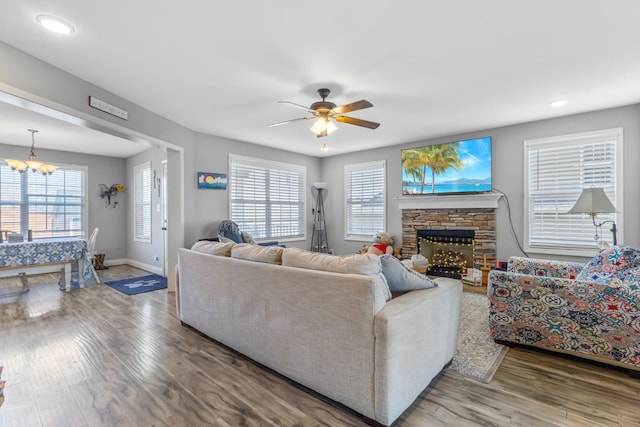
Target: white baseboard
{"x":137,"y":264}
{"x":55,"y":268}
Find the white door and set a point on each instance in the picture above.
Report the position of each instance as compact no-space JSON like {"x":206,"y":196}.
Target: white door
{"x":163,"y":202}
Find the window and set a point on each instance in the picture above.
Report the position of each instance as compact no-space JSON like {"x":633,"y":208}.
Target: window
{"x":267,"y":199}
{"x":365,"y":201}
{"x":557,"y":169}
{"x":48,"y":205}
{"x":142,"y":202}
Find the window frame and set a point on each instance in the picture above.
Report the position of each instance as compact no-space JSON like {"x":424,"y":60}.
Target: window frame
{"x":271,"y":167}
{"x":583,"y":221}
{"x":142,"y":200}
{"x":24,"y":192}
{"x":381,"y":167}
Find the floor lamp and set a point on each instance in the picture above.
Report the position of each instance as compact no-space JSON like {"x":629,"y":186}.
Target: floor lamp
{"x":594,"y":201}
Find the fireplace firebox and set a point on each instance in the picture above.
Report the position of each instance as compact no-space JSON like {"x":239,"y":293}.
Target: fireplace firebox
{"x":450,"y":252}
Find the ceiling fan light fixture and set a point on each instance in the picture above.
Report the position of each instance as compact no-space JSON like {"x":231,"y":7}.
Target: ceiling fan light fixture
{"x":327,"y":113}
{"x":323,"y":126}
{"x":324,"y":147}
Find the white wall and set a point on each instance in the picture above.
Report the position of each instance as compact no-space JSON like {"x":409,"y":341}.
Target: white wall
{"x":508,"y":163}
{"x":101,"y":170}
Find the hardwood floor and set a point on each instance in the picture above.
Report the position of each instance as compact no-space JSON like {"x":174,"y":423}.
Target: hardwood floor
{"x":97,"y":357}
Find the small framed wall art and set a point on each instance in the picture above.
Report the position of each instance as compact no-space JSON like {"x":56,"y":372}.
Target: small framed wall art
{"x":212,"y":181}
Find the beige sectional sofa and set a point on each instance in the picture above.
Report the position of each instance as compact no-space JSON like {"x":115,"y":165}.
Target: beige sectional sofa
{"x":336,"y":332}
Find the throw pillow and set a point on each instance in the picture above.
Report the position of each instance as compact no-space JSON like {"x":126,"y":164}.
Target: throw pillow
{"x":268,"y":254}
{"x":213,"y":248}
{"x":613,"y":262}
{"x":229,"y":229}
{"x":247,"y":238}
{"x":401,"y":278}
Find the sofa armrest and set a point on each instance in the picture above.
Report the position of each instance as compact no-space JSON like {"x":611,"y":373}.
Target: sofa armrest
{"x":543,"y":267}
{"x":416,"y":336}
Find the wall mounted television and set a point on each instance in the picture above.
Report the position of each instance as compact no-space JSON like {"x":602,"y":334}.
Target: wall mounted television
{"x":450,"y":168}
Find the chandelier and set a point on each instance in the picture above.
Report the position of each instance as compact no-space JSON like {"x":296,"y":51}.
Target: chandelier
{"x":33,"y":163}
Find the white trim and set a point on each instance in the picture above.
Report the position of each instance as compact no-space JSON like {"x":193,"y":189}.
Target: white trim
{"x":139,"y":169}
{"x":147,"y":267}
{"x":451,"y":201}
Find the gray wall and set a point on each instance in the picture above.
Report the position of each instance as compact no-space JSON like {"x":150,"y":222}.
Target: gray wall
{"x":101,"y":170}
{"x":25,"y":76}
{"x":213,"y":156}
{"x":508,"y":163}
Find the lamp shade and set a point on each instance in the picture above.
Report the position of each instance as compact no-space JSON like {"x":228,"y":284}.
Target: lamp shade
{"x":593,"y":201}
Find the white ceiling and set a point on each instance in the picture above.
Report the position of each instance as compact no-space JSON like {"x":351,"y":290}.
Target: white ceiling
{"x":431,"y":68}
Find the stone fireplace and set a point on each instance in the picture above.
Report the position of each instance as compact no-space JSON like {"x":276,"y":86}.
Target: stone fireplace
{"x":464,"y":213}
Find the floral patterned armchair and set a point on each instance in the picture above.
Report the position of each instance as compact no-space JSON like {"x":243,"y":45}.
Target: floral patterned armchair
{"x":587,"y":310}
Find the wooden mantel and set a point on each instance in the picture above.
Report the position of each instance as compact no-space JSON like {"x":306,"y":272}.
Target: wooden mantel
{"x":450,"y":201}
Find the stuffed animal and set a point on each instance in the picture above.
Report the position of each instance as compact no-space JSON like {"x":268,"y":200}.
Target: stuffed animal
{"x":382,"y":244}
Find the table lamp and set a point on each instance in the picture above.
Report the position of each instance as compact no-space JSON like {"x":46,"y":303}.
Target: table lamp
{"x":594,"y":201}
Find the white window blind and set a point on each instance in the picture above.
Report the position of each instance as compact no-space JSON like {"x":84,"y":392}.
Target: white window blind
{"x":557,"y":169}
{"x":365,"y":200}
{"x":48,"y":205}
{"x":142,"y":202}
{"x":267,"y":199}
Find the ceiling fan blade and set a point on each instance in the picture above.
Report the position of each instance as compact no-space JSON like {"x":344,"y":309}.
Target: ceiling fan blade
{"x":357,"y":122}
{"x":289,"y":121}
{"x":293,"y":104}
{"x":358,"y":105}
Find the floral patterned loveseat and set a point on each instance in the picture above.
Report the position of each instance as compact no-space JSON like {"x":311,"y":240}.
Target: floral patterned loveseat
{"x":587,"y":310}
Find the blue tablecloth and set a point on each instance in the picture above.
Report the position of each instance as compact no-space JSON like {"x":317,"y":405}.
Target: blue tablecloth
{"x":46,"y":251}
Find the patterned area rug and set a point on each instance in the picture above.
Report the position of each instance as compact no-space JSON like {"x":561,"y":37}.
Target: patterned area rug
{"x":477,"y":356}
{"x":138,"y":285}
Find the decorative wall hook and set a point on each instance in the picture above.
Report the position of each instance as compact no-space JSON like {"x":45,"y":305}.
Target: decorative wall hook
{"x":107,"y":193}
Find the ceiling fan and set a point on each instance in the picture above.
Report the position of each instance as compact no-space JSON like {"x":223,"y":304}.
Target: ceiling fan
{"x":323,"y":111}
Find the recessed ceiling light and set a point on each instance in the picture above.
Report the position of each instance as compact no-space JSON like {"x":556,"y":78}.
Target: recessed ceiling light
{"x":54,"y":24}
{"x":558,"y":103}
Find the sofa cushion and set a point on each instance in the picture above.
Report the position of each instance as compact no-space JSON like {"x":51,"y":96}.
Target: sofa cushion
{"x":614,"y":262}
{"x":365,"y":264}
{"x":401,"y":278}
{"x":267,"y":254}
{"x":213,"y":248}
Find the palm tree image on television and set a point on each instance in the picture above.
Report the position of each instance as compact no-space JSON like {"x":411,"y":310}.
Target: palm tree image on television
{"x":454,"y":167}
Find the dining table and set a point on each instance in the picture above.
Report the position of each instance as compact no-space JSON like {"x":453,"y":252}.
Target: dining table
{"x":39,"y":255}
